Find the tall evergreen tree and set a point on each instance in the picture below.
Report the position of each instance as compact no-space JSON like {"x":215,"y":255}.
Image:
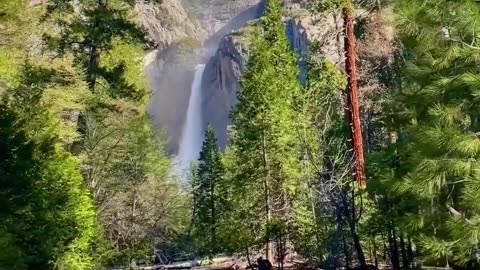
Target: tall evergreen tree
{"x":439,"y":111}
{"x":81,"y":63}
{"x":320,"y":103}
{"x":48,"y":220}
{"x":46,"y":212}
{"x":91,"y":28}
{"x":265,"y":136}
{"x":209,"y":196}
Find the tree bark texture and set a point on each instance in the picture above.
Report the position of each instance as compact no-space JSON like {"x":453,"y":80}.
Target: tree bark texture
{"x":352,"y":95}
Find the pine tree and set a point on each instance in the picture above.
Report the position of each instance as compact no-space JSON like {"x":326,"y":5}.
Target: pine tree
{"x":46,"y":212}
{"x":321,"y":112}
{"x":209,"y":196}
{"x":265,"y":131}
{"x":48,"y":220}
{"x":439,"y":108}
{"x":96,"y":27}
{"x":79,"y":63}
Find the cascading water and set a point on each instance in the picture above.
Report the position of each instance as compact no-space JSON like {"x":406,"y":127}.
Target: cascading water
{"x":192,"y":135}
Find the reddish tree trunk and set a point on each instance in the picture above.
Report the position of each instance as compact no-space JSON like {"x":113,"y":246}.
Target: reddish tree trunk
{"x":352,"y":95}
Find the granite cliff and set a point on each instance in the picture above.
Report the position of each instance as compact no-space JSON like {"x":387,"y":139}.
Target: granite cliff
{"x":225,"y":51}
{"x":224,"y":68}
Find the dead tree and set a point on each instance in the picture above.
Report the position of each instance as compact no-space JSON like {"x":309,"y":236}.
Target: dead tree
{"x":352,"y":95}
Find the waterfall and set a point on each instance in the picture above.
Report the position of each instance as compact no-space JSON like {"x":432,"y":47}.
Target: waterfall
{"x":192,"y":134}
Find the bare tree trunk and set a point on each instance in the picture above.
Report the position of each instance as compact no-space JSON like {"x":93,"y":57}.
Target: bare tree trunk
{"x":404,"y":251}
{"x":358,"y":248}
{"x":350,"y":218}
{"x":410,"y":252}
{"x":393,"y":247}
{"x":247,"y":251}
{"x":352,"y":95}
{"x":374,"y":244}
{"x":386,"y":254}
{"x":93,"y":63}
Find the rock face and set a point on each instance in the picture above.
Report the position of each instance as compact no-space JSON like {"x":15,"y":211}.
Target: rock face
{"x":170,"y":73}
{"x":213,"y":15}
{"x":178,"y":38}
{"x":223,"y":70}
{"x":220,"y":83}
{"x":169,"y":68}
{"x":167,"y":22}
{"x":236,"y":23}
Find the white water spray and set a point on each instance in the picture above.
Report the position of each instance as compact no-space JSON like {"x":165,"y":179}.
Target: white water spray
{"x":192,"y":135}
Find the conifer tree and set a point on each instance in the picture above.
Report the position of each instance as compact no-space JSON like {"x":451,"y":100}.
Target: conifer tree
{"x":48,"y":219}
{"x":46,"y":52}
{"x":91,"y":28}
{"x":320,"y":103}
{"x":265,"y":136}
{"x":209,"y":196}
{"x":46,"y":211}
{"x":439,"y":108}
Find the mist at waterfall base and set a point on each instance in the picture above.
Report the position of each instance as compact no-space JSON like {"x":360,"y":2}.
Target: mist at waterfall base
{"x":192,"y":134}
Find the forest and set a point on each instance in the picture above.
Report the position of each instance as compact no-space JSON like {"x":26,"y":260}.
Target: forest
{"x":364,"y":162}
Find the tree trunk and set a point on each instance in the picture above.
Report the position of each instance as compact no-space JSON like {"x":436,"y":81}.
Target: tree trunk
{"x":374,"y":244}
{"x":266,"y":187}
{"x":394,"y":248}
{"x":404,"y":251}
{"x":386,"y":252}
{"x":94,"y":54}
{"x":350,"y":218}
{"x":336,"y":243}
{"x":385,"y":249}
{"x":247,"y":251}
{"x":93,"y":63}
{"x":410,"y":252}
{"x":358,"y":248}
{"x":352,"y":95}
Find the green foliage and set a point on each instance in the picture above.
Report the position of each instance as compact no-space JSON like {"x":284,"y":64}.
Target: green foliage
{"x":122,"y":69}
{"x":264,"y":141}
{"x":209,"y":196}
{"x":11,"y":257}
{"x":441,"y":40}
{"x":46,"y":73}
{"x":45,"y":209}
{"x":77,"y":148}
{"x":99,"y":28}
{"x":319,"y":113}
{"x":48,"y":219}
{"x":123,"y":164}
